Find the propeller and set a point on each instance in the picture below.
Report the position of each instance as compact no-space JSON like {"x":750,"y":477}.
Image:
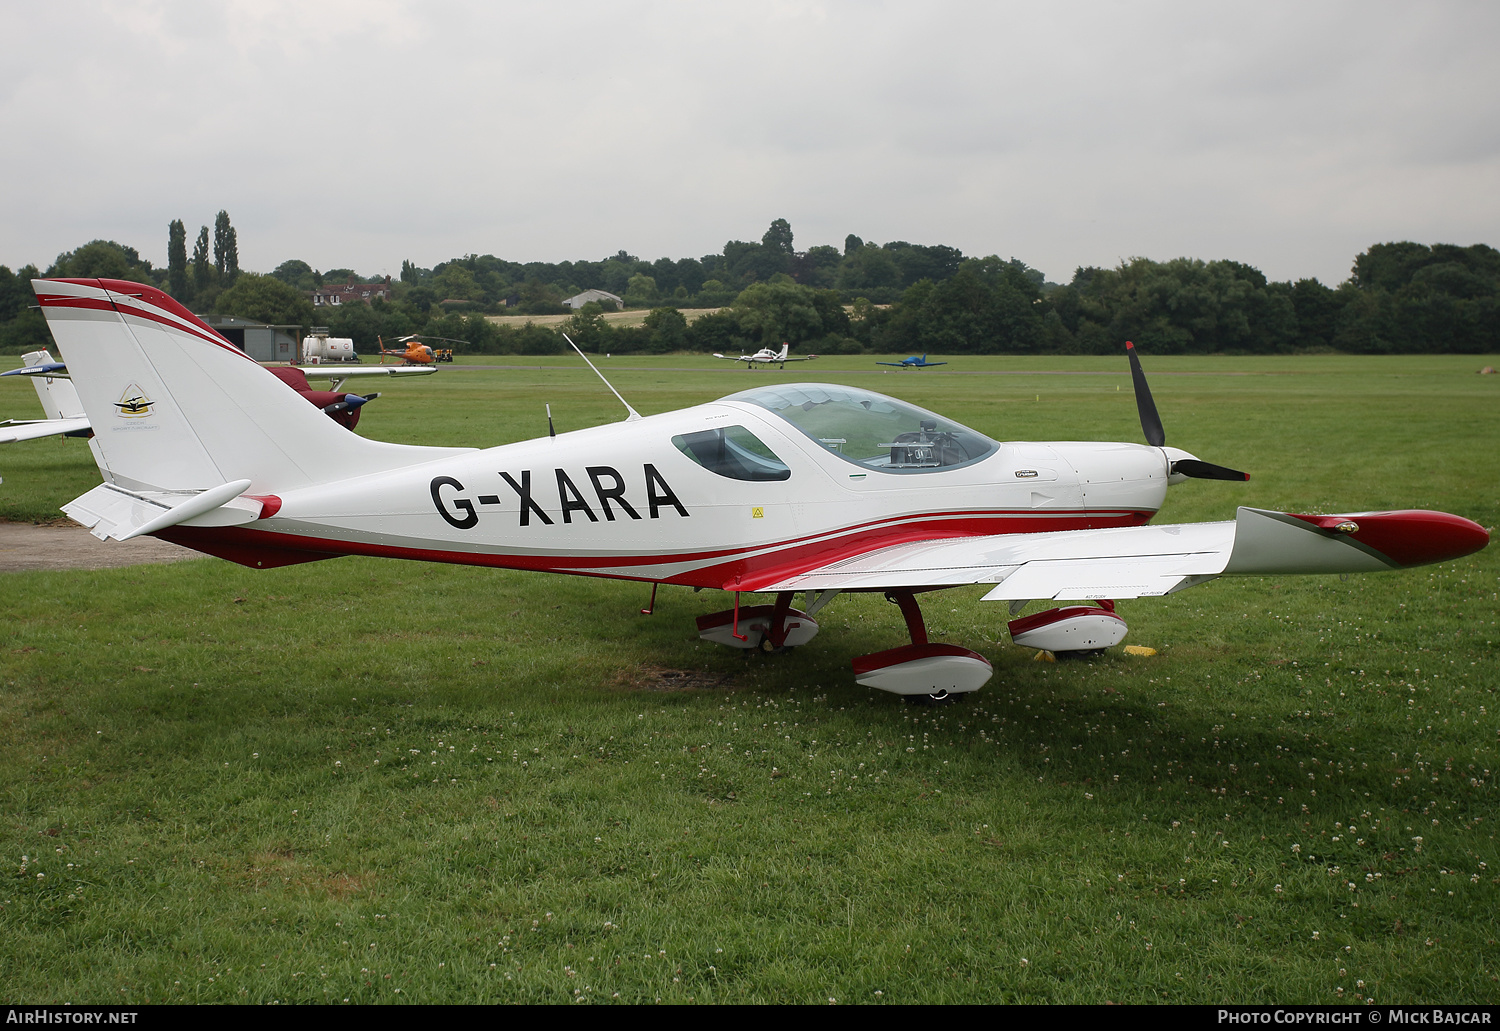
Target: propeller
{"x":1206,"y":470}
{"x":1150,"y":420}
{"x":1156,"y":436}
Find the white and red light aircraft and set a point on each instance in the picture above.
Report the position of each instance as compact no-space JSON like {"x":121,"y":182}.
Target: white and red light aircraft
{"x":781,"y":489}
{"x":767,"y":356}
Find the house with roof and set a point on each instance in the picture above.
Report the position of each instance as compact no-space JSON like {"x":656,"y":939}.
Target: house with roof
{"x":349,"y":293}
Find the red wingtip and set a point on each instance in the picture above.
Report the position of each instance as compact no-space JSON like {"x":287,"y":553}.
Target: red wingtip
{"x":1412,"y":537}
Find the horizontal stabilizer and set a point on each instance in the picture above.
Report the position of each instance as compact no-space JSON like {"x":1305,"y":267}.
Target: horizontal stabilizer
{"x":34,"y":429}
{"x":58,"y":369}
{"x":112,"y":511}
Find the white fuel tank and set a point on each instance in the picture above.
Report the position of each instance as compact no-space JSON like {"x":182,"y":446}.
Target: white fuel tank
{"x":318,"y":348}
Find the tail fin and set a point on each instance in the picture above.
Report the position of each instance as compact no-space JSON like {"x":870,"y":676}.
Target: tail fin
{"x":785,"y":347}
{"x":59,"y":399}
{"x":176,"y":407}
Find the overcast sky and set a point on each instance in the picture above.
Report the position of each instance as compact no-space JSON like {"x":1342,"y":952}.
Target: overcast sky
{"x":1287,"y":135}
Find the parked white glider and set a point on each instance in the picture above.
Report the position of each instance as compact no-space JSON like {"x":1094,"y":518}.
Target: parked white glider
{"x":778,"y":489}
{"x":65,"y":414}
{"x":767,"y":356}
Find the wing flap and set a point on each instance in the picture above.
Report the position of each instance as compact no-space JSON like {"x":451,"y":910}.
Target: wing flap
{"x":1143,"y":576}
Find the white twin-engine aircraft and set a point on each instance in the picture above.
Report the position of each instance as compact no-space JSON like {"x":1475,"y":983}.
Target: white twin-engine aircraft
{"x":767,"y":356}
{"x":781,"y":489}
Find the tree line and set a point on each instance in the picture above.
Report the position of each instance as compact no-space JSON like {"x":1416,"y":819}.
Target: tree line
{"x":866,"y":297}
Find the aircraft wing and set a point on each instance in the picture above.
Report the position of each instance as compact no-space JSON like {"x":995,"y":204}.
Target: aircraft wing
{"x":13,"y":430}
{"x":1147,"y":561}
{"x":346,"y":372}
{"x":797,"y":358}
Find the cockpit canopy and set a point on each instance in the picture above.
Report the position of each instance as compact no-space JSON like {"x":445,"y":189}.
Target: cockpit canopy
{"x":870,"y":429}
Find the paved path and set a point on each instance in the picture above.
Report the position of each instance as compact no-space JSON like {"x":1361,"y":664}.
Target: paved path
{"x":24,"y":546}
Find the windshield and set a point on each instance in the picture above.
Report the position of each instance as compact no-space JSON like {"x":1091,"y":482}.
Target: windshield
{"x":870,"y":429}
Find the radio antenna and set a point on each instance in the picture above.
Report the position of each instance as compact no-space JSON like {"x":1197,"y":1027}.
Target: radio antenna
{"x":634,"y":415}
{"x":550,"y":431}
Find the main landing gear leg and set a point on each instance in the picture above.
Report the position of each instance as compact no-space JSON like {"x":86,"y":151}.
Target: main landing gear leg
{"x":912,"y":613}
{"x":776,"y":633}
{"x":922,"y":671}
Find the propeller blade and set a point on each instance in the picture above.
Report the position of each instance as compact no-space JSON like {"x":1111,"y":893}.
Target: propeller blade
{"x":1150,"y":421}
{"x":1206,"y":470}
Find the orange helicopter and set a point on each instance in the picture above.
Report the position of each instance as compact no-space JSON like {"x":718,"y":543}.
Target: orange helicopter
{"x":418,"y":353}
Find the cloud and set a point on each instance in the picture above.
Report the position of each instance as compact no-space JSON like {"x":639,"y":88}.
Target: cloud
{"x":1289,"y":136}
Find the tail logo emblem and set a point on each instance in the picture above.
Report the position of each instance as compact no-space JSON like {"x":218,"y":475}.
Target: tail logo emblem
{"x":133,"y":403}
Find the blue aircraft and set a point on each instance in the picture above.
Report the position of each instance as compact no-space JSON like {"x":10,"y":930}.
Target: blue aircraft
{"x":912,"y":363}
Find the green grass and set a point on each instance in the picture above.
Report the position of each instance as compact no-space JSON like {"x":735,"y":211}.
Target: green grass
{"x":337,"y":780}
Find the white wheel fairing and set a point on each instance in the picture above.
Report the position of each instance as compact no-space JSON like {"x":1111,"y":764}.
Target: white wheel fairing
{"x":1073,"y":628}
{"x":755,"y":624}
{"x":932,"y":674}
{"x":923,"y":669}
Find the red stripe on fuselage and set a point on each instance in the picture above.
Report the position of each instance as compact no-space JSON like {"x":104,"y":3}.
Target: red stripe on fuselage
{"x":743,"y":570}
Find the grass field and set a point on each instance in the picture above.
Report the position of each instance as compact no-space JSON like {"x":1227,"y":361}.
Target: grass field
{"x":369,"y":780}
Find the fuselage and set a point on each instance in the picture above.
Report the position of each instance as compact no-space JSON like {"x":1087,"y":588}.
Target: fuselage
{"x":764,"y":356}
{"x":631,"y":500}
